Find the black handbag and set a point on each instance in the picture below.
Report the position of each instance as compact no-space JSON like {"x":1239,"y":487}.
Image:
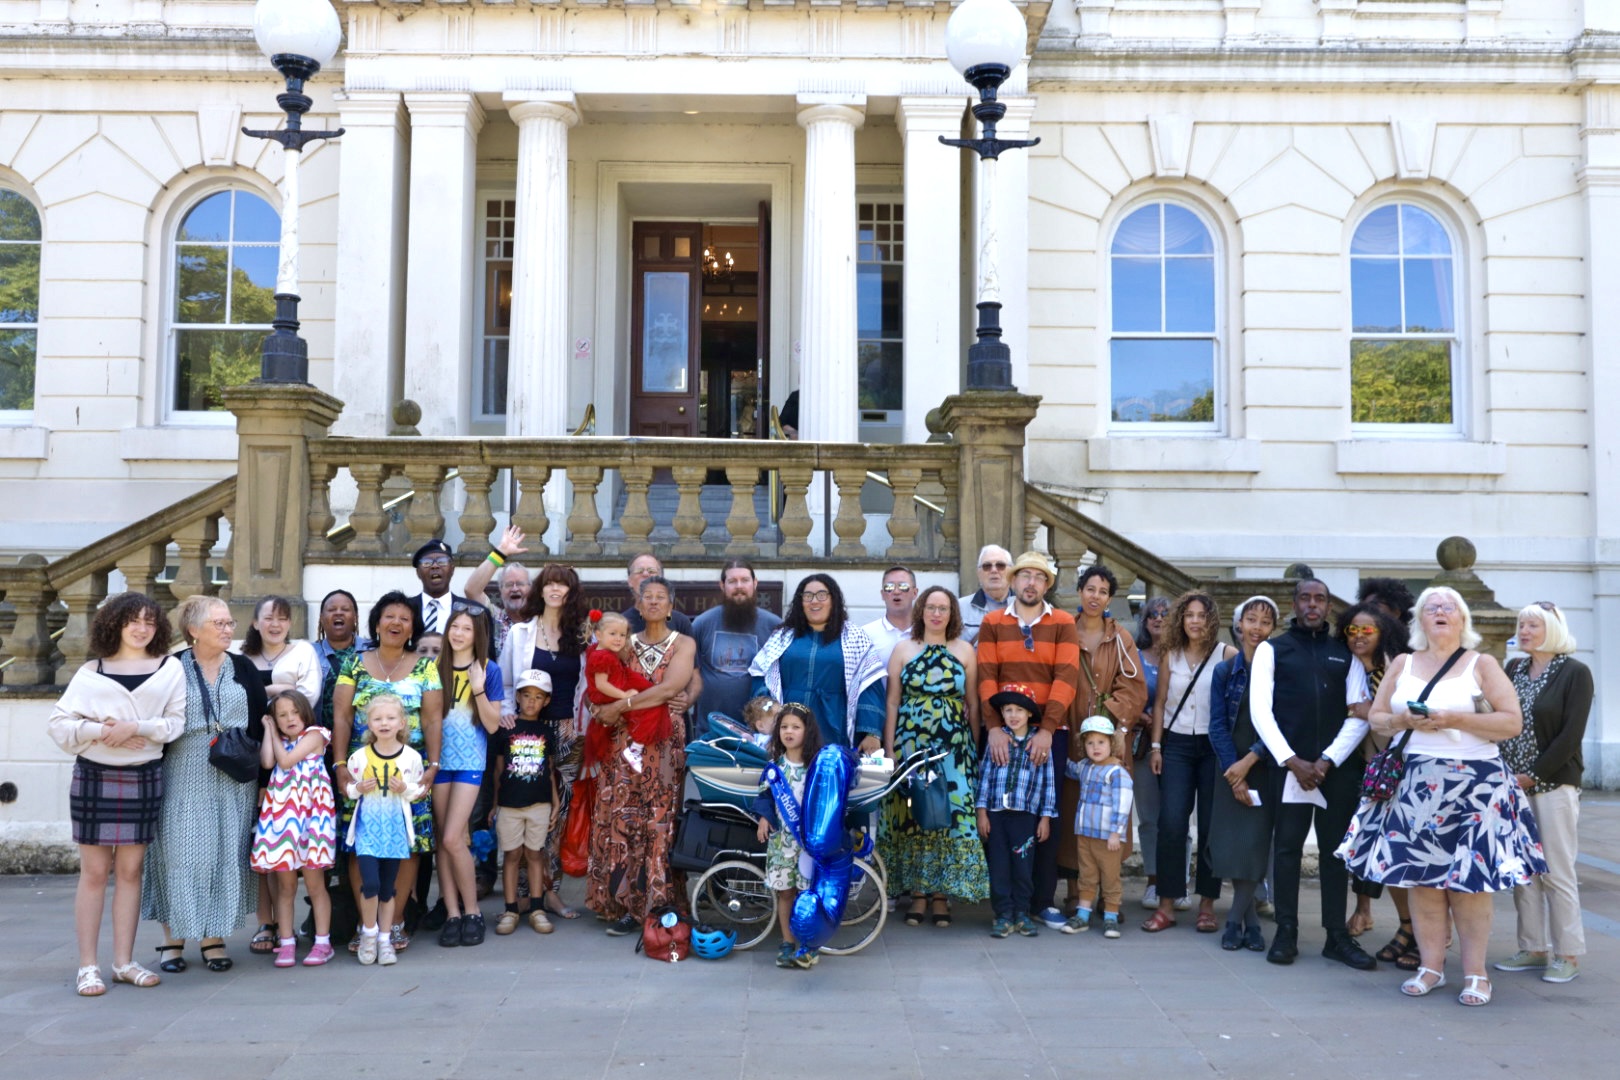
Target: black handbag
{"x":930,"y":792}
{"x":231,"y":750}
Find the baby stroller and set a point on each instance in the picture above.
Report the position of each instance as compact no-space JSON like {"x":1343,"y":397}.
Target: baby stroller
{"x":718,"y":847}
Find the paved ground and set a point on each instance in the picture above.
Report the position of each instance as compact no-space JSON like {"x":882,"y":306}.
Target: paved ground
{"x":921,"y":1002}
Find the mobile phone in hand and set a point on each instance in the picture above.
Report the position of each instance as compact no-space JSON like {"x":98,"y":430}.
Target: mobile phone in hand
{"x":1419,"y":707}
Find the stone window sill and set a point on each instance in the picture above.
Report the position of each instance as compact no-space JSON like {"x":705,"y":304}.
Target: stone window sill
{"x":200,"y":443}
{"x":1422,"y":457}
{"x":1173,"y":454}
{"x":24,"y":442}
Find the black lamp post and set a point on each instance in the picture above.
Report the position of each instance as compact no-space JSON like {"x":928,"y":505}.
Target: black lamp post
{"x":985,"y":41}
{"x":298,"y":36}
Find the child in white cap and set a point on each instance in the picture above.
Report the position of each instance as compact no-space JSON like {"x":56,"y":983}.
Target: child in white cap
{"x":1101,"y":823}
{"x":525,"y":791}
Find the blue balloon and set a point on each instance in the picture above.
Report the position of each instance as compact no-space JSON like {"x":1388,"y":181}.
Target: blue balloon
{"x":818,"y":910}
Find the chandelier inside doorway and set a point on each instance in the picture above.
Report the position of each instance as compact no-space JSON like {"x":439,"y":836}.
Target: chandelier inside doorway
{"x":718,"y":267}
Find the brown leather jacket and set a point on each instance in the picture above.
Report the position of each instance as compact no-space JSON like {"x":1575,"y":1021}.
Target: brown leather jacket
{"x":1116,"y":668}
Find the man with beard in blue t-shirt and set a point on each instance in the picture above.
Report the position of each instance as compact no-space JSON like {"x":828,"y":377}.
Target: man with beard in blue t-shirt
{"x":728,"y":636}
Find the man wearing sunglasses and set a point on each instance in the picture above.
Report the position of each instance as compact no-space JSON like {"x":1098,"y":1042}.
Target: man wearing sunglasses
{"x":899,"y":593}
{"x":993,"y":568}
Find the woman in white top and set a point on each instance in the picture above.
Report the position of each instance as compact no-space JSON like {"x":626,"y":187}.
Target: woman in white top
{"x":1458,"y":828}
{"x":1182,"y":756}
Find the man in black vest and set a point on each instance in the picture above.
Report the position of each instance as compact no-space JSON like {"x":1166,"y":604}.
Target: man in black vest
{"x":1301,"y":686}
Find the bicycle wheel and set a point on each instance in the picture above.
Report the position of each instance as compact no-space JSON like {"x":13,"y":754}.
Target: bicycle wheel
{"x":732,"y":895}
{"x":865,"y":912}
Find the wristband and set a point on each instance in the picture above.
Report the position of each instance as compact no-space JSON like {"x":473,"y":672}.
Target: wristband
{"x":1156,"y":746}
{"x":497,"y":558}
{"x":477,"y":693}
{"x":430,"y":764}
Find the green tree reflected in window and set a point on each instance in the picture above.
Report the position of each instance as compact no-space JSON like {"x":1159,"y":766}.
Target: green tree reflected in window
{"x":225,"y":281}
{"x":19,"y":299}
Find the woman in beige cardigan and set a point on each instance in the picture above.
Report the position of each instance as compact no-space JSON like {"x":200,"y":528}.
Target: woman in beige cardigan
{"x":115,"y":716}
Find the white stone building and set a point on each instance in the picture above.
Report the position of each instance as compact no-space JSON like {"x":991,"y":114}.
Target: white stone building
{"x":1296,"y":279}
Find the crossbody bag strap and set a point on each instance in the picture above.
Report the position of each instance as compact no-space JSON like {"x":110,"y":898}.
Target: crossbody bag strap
{"x":1185,"y":694}
{"x":206,"y":694}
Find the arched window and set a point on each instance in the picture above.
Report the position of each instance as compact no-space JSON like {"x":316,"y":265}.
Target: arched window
{"x":225,"y":256}
{"x":1164,"y":345}
{"x":19,"y":300}
{"x":1405,"y":352}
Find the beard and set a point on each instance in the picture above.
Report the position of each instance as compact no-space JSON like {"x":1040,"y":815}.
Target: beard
{"x":739,"y":614}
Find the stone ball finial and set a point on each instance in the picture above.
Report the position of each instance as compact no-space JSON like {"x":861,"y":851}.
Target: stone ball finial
{"x":1456,"y":553}
{"x":1299,"y":570}
{"x":407,"y":413}
{"x":33,"y":559}
{"x":934,"y":422}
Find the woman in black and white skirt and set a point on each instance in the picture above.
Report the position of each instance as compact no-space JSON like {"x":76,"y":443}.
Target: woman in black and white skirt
{"x":118,"y":712}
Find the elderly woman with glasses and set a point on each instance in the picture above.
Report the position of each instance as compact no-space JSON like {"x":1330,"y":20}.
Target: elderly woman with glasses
{"x":1458,"y":828}
{"x":1555,"y":694}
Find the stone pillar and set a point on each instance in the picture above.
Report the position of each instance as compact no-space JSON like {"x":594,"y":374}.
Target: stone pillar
{"x":933,"y":256}
{"x":439,"y":276}
{"x":988,"y":427}
{"x":29,"y":592}
{"x":537,"y":364}
{"x":274,"y":425}
{"x":827,"y":372}
{"x":370,"y":261}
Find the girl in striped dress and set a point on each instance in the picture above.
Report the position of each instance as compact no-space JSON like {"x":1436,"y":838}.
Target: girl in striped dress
{"x":297,"y":830}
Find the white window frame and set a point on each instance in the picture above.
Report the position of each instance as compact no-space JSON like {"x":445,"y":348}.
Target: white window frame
{"x":1217,"y":425}
{"x":481,"y":260}
{"x":25,"y":417}
{"x":1460,"y":358}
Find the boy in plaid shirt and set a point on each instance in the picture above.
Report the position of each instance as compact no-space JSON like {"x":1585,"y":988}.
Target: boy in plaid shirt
{"x":1016,"y":803}
{"x":1101,"y":822}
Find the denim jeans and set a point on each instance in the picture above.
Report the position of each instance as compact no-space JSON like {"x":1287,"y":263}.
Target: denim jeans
{"x":1187,"y":772}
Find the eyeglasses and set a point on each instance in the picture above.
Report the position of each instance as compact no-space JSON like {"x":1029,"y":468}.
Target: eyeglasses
{"x":994,"y":565}
{"x":1440,"y":609}
{"x":897,"y":586}
{"x":1547,"y":605}
{"x":1155,"y":614}
{"x":817,"y":597}
{"x":1361,"y":631}
{"x":222,"y":624}
{"x":436,"y":561}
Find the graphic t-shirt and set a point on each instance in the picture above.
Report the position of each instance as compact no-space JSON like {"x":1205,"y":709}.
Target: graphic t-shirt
{"x":525,"y":753}
{"x":464,"y":736}
{"x":723,"y":657}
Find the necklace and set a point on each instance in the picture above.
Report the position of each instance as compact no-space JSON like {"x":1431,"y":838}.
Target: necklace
{"x":270,"y":661}
{"x":393,"y":672}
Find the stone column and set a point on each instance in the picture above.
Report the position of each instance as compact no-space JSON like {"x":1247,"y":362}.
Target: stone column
{"x":827,"y":372}
{"x":989,"y":429}
{"x":537,"y":364}
{"x":275,"y":423}
{"x":933,"y":256}
{"x":439,"y":276}
{"x":370,"y":261}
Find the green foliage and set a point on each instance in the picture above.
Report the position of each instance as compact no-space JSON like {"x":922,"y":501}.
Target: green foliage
{"x":207,"y":361}
{"x":1400,"y":382}
{"x":17,"y":349}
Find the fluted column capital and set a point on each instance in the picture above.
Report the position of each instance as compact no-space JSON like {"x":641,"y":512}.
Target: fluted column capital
{"x":847,"y":109}
{"x":560,"y":107}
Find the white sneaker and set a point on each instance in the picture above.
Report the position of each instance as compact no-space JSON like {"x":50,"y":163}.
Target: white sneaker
{"x":385,"y":952}
{"x":632,"y":755}
{"x":367,"y":953}
{"x":1150,"y":898}
{"x":1184,"y":904}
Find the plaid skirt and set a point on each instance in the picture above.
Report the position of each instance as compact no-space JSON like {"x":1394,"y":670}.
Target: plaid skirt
{"x":113,"y":805}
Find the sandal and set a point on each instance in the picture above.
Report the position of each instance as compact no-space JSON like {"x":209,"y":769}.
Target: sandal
{"x":1403,"y":942}
{"x":553,"y":903}
{"x":1205,"y":923}
{"x":1158,"y":921}
{"x":264,"y":940}
{"x":917,"y":912}
{"x":1416,"y":987}
{"x":216,"y":963}
{"x":171,"y":965}
{"x":135,"y":975}
{"x":1471,"y":990}
{"x":942,"y":918}
{"x":89,"y":982}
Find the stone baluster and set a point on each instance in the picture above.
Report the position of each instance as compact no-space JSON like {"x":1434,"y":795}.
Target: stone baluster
{"x":530,"y":515}
{"x":903,"y":523}
{"x":196,"y":542}
{"x":477,"y":519}
{"x":689,"y":520}
{"x":583,"y":520}
{"x":637,"y":520}
{"x":321,"y":519}
{"x":850,"y":524}
{"x":424,"y":520}
{"x":81,"y":598}
{"x":227,"y":568}
{"x":795,"y":521}
{"x":141,"y":569}
{"x":1032,"y":525}
{"x":742,"y":522}
{"x":950,"y":525}
{"x":30,"y":639}
{"x":368,"y":519}
{"x":1069,"y":551}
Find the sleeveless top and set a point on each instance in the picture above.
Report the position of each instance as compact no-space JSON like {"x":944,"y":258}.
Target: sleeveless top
{"x":1455,"y":691}
{"x":1194,"y":718}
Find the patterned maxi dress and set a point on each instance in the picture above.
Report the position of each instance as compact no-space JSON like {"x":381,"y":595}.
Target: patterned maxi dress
{"x":423,"y":678}
{"x":948,"y":862}
{"x":633,"y":827}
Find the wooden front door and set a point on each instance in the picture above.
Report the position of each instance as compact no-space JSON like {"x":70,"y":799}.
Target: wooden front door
{"x":665,"y":334}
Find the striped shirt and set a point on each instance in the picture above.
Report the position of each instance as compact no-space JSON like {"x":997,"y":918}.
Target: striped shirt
{"x":1104,"y":809}
{"x":1043,"y":655}
{"x":1018,"y":785}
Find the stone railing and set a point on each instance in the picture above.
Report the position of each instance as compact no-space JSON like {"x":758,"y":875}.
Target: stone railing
{"x":69,"y":590}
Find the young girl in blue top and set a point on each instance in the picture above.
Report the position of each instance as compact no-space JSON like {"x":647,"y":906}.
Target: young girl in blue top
{"x":473,"y":691}
{"x":794,"y":746}
{"x":385,"y":777}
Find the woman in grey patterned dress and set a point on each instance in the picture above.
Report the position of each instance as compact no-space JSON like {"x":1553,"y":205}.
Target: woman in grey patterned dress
{"x":197,"y":881}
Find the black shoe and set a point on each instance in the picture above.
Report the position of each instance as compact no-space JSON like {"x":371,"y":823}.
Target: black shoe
{"x":434,"y":919}
{"x":472,"y":930}
{"x":623,"y":926}
{"x":1232,"y":937}
{"x":450,"y":933}
{"x":1343,"y":948}
{"x":1285,"y":946}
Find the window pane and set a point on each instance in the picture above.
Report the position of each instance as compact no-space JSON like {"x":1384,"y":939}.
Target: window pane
{"x":1136,"y":295}
{"x":1400,"y":382}
{"x":1189,"y":295}
{"x":1377,"y":234}
{"x":494,"y":376}
{"x":18,"y":218}
{"x":209,"y":219}
{"x":1422,"y":233}
{"x":207,"y":361}
{"x":256,"y":221}
{"x":1375,"y":296}
{"x":19,"y":283}
{"x":665,"y":331}
{"x":878,"y":311}
{"x":1429,"y":304}
{"x":1138,"y":234}
{"x":1163,"y":380}
{"x":201,"y":285}
{"x":1184,"y":234}
{"x":881,"y":365}
{"x":17,"y":349}
{"x":253,"y":285}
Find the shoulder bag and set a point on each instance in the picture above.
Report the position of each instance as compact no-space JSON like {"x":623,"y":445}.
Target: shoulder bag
{"x":929,"y":790}
{"x":231,"y":750}
{"x":666,"y":935}
{"x":1385,"y":771}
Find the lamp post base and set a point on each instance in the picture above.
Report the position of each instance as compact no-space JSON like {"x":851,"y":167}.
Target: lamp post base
{"x":285,"y":356}
{"x":989,"y":365}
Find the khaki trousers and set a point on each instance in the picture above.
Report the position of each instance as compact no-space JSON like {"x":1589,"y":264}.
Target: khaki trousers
{"x":1098,"y":865}
{"x":1549,"y":907}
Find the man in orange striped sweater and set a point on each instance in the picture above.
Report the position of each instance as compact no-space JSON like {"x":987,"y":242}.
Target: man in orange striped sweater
{"x":1032,"y":643}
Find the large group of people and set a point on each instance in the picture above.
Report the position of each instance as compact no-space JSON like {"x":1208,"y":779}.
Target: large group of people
{"x":383,"y":748}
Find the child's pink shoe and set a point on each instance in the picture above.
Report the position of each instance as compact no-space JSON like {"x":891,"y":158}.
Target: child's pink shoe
{"x":319,"y":955}
{"x":286,"y":955}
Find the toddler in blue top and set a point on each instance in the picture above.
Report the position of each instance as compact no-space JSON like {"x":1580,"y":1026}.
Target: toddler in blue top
{"x":1102,"y":822}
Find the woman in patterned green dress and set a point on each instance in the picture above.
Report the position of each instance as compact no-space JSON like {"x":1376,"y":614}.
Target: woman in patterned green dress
{"x":932,"y":707}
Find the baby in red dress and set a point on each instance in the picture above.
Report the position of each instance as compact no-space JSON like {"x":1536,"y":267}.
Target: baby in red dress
{"x":609,"y":677}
